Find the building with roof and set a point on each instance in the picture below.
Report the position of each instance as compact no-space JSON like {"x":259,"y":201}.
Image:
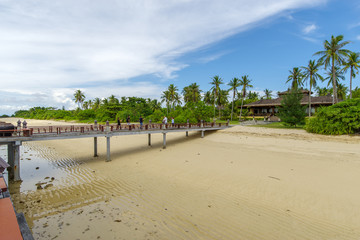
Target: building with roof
{"x":269,"y":107}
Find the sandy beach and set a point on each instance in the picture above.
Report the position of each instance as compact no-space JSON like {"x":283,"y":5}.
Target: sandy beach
{"x":238,"y":183}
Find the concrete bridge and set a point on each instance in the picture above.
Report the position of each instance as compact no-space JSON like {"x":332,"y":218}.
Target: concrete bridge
{"x":14,"y":138}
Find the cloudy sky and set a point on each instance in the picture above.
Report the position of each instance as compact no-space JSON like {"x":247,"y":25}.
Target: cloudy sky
{"x":48,"y":49}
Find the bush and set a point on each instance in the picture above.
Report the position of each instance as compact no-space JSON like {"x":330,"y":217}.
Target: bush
{"x":341,"y":118}
{"x":291,"y":112}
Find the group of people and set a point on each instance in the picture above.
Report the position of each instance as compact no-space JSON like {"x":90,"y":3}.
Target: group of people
{"x":141,"y":120}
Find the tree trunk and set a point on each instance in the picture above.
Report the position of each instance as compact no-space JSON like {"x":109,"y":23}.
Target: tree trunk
{"x":310,"y":99}
{"x":351,"y":73}
{"x":214,"y":104}
{"x":232,"y":108}
{"x":242,"y":101}
{"x":334,"y":83}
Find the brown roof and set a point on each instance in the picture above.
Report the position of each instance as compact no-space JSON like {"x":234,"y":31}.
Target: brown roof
{"x":322,"y":100}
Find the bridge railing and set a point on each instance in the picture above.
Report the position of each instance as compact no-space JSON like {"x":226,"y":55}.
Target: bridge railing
{"x":38,"y":130}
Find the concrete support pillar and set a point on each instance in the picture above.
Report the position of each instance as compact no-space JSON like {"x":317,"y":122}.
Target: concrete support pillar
{"x":149,"y":139}
{"x":14,"y":160}
{"x":95,"y":147}
{"x":187,"y":133}
{"x":108,"y":149}
{"x":164,"y":140}
{"x":202,"y":134}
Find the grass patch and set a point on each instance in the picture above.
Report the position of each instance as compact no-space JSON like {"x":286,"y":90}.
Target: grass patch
{"x":278,"y":125}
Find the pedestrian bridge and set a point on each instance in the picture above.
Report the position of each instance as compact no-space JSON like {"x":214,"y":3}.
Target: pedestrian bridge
{"x":14,"y":138}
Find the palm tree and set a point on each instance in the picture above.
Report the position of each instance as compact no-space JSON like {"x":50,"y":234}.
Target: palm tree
{"x":353,"y":62}
{"x":341,"y":91}
{"x":234,"y":84}
{"x":79,"y":97}
{"x":268,"y":93}
{"x":216,"y":82}
{"x":245,"y":83}
{"x":154,"y":105}
{"x":322,"y":91}
{"x":173,"y":95}
{"x":113,"y":100}
{"x":192,"y":93}
{"x":222,"y":99}
{"x":337,"y":76}
{"x":97,"y":103}
{"x":311,"y":73}
{"x":166,"y":98}
{"x":208,"y":98}
{"x":296,"y":76}
{"x":333,"y":54}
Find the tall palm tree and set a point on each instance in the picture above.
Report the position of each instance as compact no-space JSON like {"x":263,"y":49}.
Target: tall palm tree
{"x":222,"y":99}
{"x":311,"y":73}
{"x":216,"y":82}
{"x":268,"y":93}
{"x":173,"y":95}
{"x":245,"y":83}
{"x":165,"y":97}
{"x":296,"y":77}
{"x":333,"y":54}
{"x":352,"y":62}
{"x":234,"y":84}
{"x":79,"y":97}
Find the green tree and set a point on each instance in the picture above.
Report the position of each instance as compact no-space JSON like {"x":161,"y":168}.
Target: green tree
{"x":290,"y":111}
{"x":352,"y":62}
{"x":341,"y":91}
{"x":165,"y":97}
{"x":216,"y":82}
{"x":222,"y":100}
{"x":322,"y":91}
{"x":245,"y":83}
{"x":296,"y":77}
{"x":79,"y":97}
{"x":208,"y":98}
{"x":192,"y":93}
{"x":268,"y":93}
{"x":234,"y":84}
{"x":339,"y":75}
{"x":333,"y":54}
{"x":311,"y":74}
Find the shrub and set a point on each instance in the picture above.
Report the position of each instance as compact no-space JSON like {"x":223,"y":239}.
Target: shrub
{"x":341,"y":118}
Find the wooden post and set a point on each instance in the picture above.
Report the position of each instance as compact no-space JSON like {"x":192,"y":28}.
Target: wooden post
{"x":95,"y":147}
{"x":108,"y":149}
{"x":164,"y":140}
{"x":14,"y":160}
{"x":149,"y":139}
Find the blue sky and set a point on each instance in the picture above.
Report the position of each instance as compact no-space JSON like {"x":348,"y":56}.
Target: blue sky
{"x":48,"y":49}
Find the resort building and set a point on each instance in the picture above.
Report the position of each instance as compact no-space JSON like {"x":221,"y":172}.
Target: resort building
{"x":269,"y":107}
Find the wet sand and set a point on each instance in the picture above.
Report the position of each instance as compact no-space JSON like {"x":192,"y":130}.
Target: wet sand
{"x":238,"y":183}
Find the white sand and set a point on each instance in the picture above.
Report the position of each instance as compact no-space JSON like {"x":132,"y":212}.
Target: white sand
{"x":238,"y":183}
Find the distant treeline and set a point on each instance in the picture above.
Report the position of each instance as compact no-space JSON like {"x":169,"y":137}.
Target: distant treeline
{"x":109,"y":109}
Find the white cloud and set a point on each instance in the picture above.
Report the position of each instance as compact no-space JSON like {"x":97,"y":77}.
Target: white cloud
{"x":358,"y":37}
{"x":309,"y":29}
{"x":62,"y":45}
